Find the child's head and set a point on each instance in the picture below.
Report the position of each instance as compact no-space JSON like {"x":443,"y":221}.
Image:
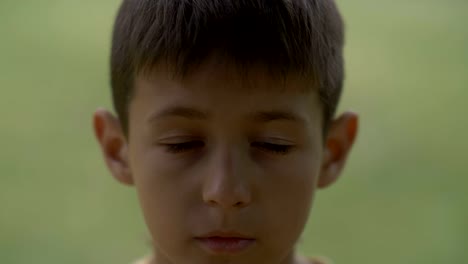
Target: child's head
{"x":225,"y":122}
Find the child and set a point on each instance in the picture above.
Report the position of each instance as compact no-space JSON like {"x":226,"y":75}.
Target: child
{"x":225,"y":123}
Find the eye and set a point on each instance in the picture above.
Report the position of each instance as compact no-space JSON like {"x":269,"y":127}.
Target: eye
{"x":274,"y":148}
{"x":184,"y":146}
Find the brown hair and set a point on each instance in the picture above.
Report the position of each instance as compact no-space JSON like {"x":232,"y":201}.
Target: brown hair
{"x":301,"y":36}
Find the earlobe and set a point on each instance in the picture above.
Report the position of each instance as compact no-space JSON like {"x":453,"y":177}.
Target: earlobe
{"x":339,"y":141}
{"x":108,"y":132}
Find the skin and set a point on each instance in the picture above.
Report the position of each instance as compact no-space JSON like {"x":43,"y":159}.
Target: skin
{"x":217,"y":150}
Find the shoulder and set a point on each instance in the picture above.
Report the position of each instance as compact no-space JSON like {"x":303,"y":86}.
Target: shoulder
{"x":314,"y":260}
{"x":319,"y":260}
{"x":145,"y":260}
{"x":301,"y":259}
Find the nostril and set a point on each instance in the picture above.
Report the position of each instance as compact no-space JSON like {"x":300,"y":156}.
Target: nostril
{"x":214,"y":203}
{"x":239,"y":204}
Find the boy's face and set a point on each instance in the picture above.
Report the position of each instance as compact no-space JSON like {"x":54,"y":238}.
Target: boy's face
{"x":213,"y":152}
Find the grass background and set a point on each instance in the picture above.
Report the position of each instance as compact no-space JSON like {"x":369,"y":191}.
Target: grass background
{"x":402,"y":199}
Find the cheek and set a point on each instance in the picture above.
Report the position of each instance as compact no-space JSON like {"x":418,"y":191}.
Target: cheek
{"x":288,"y":198}
{"x":165,"y":197}
{"x":295,"y":178}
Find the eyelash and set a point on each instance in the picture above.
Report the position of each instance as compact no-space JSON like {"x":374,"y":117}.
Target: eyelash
{"x":192,"y":145}
{"x":185,"y":146}
{"x":274,"y":148}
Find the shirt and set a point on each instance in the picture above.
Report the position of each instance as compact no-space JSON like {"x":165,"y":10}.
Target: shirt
{"x":315,"y":260}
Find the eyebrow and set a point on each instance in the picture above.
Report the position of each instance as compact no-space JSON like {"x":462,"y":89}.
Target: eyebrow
{"x":276,"y":115}
{"x":196,"y":114}
{"x":180,"y":111}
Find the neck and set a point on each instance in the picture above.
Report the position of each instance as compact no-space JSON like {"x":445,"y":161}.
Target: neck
{"x":291,"y":258}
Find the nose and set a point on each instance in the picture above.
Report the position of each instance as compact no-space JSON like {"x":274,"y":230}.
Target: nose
{"x":227,"y":183}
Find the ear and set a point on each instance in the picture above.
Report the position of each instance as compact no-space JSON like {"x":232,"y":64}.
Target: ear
{"x":339,"y":141}
{"x":113,"y":143}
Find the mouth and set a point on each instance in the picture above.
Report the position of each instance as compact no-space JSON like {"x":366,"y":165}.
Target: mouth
{"x":225,"y":243}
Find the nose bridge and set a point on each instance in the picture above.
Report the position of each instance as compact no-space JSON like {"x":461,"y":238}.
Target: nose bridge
{"x":227,"y":183}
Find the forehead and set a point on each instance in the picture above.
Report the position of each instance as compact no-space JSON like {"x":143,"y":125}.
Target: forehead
{"x":225,"y":88}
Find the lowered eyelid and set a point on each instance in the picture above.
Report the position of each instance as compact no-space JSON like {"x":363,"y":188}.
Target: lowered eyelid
{"x":177,"y":138}
{"x":275,"y":140}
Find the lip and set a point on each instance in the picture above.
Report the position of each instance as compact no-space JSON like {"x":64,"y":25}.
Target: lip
{"x":225,"y":243}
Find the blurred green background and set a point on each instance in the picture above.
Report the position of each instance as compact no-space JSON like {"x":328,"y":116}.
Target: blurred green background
{"x":402,"y":199}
